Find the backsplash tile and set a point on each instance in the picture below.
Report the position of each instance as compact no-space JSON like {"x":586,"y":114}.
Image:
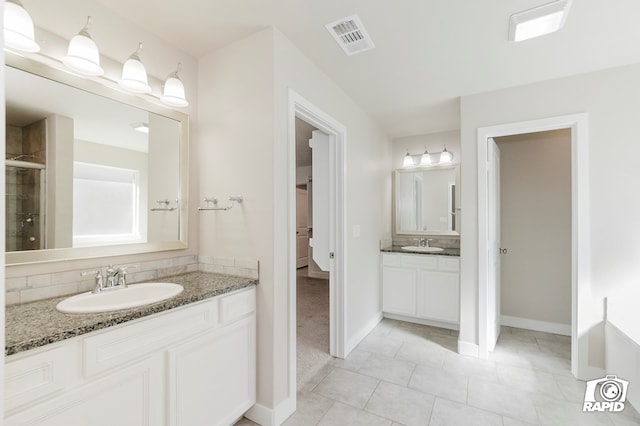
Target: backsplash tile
{"x":238,"y":267}
{"x":436,"y":241}
{"x":43,"y":286}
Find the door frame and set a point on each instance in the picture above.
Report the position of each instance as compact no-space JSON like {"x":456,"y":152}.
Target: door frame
{"x":580,"y":234}
{"x":301,"y":108}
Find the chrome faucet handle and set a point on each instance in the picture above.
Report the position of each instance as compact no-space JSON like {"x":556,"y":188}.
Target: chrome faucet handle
{"x":99,"y":280}
{"x":122,"y":274}
{"x":427,"y":240}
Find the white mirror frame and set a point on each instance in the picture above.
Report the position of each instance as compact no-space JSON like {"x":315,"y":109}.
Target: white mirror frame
{"x":395,"y":203}
{"x":49,"y":255}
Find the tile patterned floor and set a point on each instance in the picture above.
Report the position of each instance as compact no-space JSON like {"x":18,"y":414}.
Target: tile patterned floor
{"x":408,"y":374}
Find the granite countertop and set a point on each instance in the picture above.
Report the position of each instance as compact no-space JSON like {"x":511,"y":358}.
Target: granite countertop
{"x":36,"y":324}
{"x":445,"y":252}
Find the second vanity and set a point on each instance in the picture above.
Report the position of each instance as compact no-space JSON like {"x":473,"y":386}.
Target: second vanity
{"x":422,"y":288}
{"x":188,"y":360}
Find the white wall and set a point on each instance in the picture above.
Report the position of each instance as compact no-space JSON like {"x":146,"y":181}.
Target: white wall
{"x":535,"y":217}
{"x":611,"y":98}
{"x":117,"y":37}
{"x":236,"y":116}
{"x":248,"y":82}
{"x":368,"y":201}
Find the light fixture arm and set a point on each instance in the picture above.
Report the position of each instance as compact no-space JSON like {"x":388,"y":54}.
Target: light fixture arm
{"x":85,"y":30}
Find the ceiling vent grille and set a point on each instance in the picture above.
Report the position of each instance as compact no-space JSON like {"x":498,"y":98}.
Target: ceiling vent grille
{"x":350,"y":35}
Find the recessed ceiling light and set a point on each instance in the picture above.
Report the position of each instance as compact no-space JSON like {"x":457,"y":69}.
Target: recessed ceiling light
{"x":141,"y":127}
{"x":538,"y":21}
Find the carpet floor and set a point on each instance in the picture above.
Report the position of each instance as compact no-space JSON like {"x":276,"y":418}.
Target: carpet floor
{"x":313,"y":326}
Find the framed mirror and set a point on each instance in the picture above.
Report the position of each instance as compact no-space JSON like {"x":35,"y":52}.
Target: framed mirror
{"x":90,"y":171}
{"x":425,"y":201}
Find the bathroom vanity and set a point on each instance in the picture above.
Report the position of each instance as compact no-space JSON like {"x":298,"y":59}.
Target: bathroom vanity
{"x":421,"y":288}
{"x":186,"y":361}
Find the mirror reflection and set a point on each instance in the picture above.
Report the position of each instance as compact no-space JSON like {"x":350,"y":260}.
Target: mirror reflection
{"x":84,"y":170}
{"x":426,"y":201}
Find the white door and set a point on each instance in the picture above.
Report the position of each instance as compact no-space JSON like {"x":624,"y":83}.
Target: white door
{"x":320,"y":241}
{"x":493,"y":273}
{"x":302,"y":231}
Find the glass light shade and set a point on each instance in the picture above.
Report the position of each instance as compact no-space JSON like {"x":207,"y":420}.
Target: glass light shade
{"x":446,"y":157}
{"x":173,"y":94}
{"x":18,"y":28}
{"x":426,"y":159}
{"x":134,"y":75}
{"x":408,"y":161}
{"x":83,"y":55}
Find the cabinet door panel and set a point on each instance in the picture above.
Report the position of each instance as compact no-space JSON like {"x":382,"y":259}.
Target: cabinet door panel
{"x":133,"y":396}
{"x":399,"y":290}
{"x":438,"y":296}
{"x":212,"y":377}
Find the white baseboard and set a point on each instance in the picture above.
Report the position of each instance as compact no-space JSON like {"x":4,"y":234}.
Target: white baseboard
{"x":536,"y":325}
{"x":423,"y":321}
{"x":468,"y":349}
{"x":262,"y":415}
{"x":267,"y":417}
{"x":362,"y":333}
{"x":285,"y":409}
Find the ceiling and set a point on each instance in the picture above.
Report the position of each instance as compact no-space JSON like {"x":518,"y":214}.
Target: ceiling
{"x":428,"y":53}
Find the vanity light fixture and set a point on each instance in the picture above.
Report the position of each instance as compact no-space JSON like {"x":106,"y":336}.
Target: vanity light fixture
{"x":83,"y":55}
{"x":408,"y":161}
{"x":427,"y":159}
{"x":173,"y":93}
{"x":539,"y":21}
{"x":18,"y":28}
{"x":134,"y":74}
{"x":141,"y":127}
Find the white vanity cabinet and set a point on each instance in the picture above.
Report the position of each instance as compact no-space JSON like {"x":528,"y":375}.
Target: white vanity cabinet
{"x":193,"y":365}
{"x":421,"y":288}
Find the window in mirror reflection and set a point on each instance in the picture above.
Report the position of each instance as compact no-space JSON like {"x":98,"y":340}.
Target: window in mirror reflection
{"x":95,"y":187}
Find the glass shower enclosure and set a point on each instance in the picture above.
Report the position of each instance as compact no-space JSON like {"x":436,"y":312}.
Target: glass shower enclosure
{"x":24,"y":191}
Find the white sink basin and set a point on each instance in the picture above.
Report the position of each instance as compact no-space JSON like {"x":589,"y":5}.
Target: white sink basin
{"x":133,"y":296}
{"x":422,"y":249}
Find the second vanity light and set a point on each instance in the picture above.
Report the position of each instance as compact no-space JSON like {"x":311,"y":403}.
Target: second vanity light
{"x":427,"y":159}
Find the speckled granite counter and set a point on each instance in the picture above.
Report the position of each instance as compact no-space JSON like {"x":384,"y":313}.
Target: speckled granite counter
{"x":445,"y":252}
{"x":38,"y":323}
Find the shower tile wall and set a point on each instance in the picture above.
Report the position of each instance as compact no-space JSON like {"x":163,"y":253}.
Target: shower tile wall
{"x":23,"y":186}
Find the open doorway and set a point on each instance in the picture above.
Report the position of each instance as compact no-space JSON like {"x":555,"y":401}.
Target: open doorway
{"x":489,"y":269}
{"x":312,"y":283}
{"x":535,"y":243}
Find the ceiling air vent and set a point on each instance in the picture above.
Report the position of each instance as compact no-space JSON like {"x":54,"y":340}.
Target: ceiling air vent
{"x":351,"y":35}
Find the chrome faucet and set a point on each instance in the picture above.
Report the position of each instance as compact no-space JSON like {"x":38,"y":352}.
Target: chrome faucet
{"x":114,"y":278}
{"x":422,"y":242}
